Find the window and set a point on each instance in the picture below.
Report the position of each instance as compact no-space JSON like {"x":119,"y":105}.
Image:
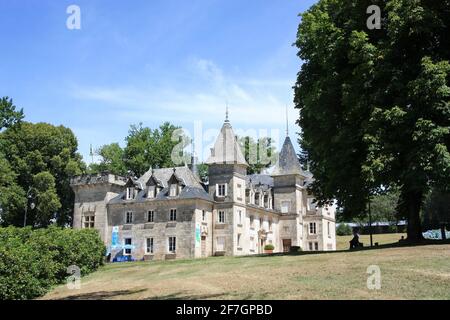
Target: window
{"x":150,"y":216}
{"x":149,"y":246}
{"x":129,"y":217}
{"x":173,"y":190}
{"x":316,"y":246}
{"x":239,"y":191}
{"x":221,"y":216}
{"x":270,"y":225}
{"x":252,"y":243}
{"x":329,"y":229}
{"x":89,"y":221}
{"x":261,"y":221}
{"x":173,"y":215}
{"x":312,"y":228}
{"x":252,"y":221}
{"x":239,"y":240}
{"x":151,"y":192}
{"x":130,"y":193}
{"x":172,"y":244}
{"x":285,"y":206}
{"x":239,"y":216}
{"x":221,"y":190}
{"x":252,"y":197}
{"x":310,"y":246}
{"x":127,"y":247}
{"x":203,"y":215}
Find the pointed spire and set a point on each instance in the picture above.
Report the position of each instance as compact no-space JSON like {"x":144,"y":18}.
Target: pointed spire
{"x":287,"y":122}
{"x":226,"y":114}
{"x":91,"y":153}
{"x":288,"y":163}
{"x":226,"y":148}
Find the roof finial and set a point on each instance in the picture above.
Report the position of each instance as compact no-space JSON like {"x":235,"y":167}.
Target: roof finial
{"x":287,"y":122}
{"x":226,"y":114}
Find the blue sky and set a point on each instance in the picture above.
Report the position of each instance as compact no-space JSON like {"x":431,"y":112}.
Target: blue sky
{"x":151,"y":61}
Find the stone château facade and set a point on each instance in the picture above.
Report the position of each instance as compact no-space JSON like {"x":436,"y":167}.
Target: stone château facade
{"x":168,"y":213}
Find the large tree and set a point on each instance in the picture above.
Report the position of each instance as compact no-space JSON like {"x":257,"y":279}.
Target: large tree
{"x":375,"y":104}
{"x":112,"y":160}
{"x":260,"y":154}
{"x":9,"y":116}
{"x":145,"y":148}
{"x":41,"y":158}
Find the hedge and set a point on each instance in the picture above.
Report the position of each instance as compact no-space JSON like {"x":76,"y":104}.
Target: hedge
{"x":32,"y":261}
{"x":344,"y":230}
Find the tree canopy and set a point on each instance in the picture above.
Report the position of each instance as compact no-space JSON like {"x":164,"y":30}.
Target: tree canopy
{"x":9,"y":116}
{"x":375,"y":104}
{"x":38,"y":159}
{"x":145,"y":148}
{"x":260,"y":154}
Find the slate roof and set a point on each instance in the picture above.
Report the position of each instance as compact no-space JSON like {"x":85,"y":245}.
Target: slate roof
{"x":264,"y":180}
{"x":288,"y":162}
{"x":192,"y":188}
{"x":163,"y":175}
{"x":226,"y":148}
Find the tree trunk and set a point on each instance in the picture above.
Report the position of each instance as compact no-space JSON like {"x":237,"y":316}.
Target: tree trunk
{"x":412,"y":203}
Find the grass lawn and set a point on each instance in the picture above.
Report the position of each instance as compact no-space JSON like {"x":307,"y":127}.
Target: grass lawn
{"x":414,"y":272}
{"x":342,"y":242}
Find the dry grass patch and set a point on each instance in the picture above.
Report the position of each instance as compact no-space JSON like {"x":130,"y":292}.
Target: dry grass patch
{"x":420,"y":272}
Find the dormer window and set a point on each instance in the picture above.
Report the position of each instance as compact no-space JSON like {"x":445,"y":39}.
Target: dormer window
{"x":130,"y":193}
{"x":153,"y":187}
{"x":151,"y":193}
{"x":173,"y":192}
{"x":175,"y":185}
{"x":221,"y":189}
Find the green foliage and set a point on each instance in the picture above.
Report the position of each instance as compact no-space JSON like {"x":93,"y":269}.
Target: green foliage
{"x":112,"y":160}
{"x":31,"y":262}
{"x":344,"y":229}
{"x":12,"y":197}
{"x":375,"y":104}
{"x":436,"y":209}
{"x":269,"y":247}
{"x":202,"y":169}
{"x":383,"y":206}
{"x":45,"y":198}
{"x":44,"y":157}
{"x":259,"y":154}
{"x":9,"y":116}
{"x":145,"y":148}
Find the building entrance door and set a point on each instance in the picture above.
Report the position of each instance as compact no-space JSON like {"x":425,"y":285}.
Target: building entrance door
{"x":203,"y":246}
{"x":286,"y":245}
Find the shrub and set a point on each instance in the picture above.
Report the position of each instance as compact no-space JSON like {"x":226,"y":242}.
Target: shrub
{"x":269,"y":247}
{"x":33,"y":261}
{"x":344,"y":229}
{"x":392,"y":228}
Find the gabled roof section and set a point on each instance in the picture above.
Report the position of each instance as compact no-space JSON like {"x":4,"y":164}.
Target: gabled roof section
{"x":226,"y":148}
{"x":288,"y":162}
{"x":153,"y":181}
{"x":176,"y":178}
{"x":163,"y":176}
{"x":130,"y":183}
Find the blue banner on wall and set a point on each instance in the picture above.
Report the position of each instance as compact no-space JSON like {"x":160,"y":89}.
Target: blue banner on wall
{"x":115,"y":238}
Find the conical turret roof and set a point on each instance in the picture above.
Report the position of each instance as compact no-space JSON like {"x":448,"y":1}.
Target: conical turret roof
{"x":287,"y":163}
{"x":226,"y":148}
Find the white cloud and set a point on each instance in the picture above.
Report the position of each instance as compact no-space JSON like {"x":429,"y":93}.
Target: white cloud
{"x":252,"y":102}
